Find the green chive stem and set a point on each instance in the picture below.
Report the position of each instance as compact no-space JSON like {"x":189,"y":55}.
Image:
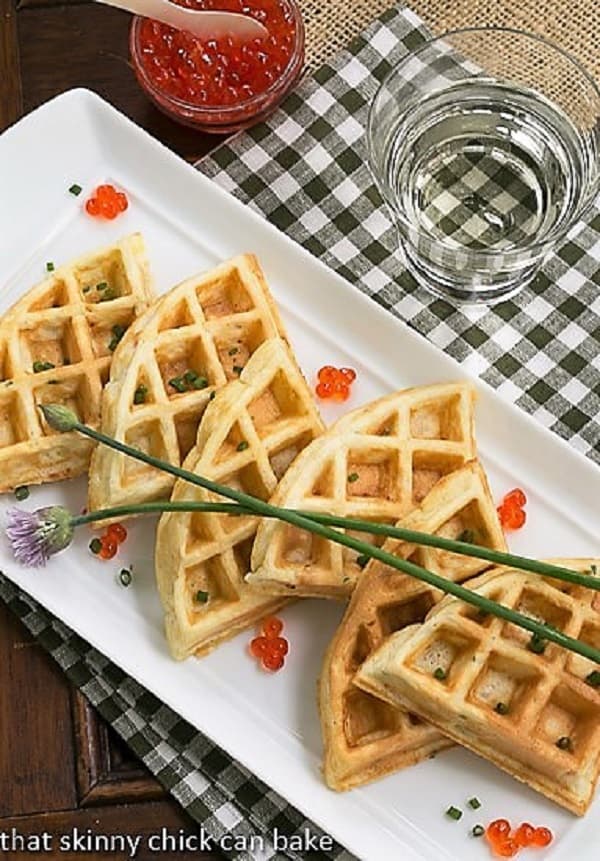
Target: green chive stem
{"x":258,"y":507}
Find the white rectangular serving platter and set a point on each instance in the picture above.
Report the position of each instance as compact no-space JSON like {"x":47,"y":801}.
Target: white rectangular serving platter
{"x":270,"y":722}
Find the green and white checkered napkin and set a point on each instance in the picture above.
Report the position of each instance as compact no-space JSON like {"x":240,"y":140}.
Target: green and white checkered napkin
{"x":305,"y":170}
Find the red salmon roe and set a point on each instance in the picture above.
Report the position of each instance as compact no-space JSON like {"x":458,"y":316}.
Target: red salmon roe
{"x":334,"y":383}
{"x":106,"y":202}
{"x":279,"y":646}
{"x":511,"y":513}
{"x":506,"y":848}
{"x":219,"y":72}
{"x":273,"y":661}
{"x":269,"y":647}
{"x":259,"y":647}
{"x":497,"y":830}
{"x":109,"y":547}
{"x":524,"y":834}
{"x":118,"y":532}
{"x":272,"y":627}
{"x":542,"y":837}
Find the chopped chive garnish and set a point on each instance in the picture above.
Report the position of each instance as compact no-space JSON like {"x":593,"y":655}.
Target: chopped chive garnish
{"x":593,"y":679}
{"x":211,"y":397}
{"x":353,"y":477}
{"x":361,"y":561}
{"x":87,"y":289}
{"x":178,"y":384}
{"x":537,"y":644}
{"x":467,"y":535}
{"x":345,"y":579}
{"x":233,"y":351}
{"x":103,"y":285}
{"x":475,"y":803}
{"x":49,"y":266}
{"x":564,"y":743}
{"x":440,"y":674}
{"x":454,"y":813}
{"x":75,"y":189}
{"x":501,"y":708}
{"x":38,"y":367}
{"x":139,"y":396}
{"x":117,"y":333}
{"x":237,"y":369}
{"x":108,"y":294}
{"x":200,"y":383}
{"x":477,"y":831}
{"x":21,"y":492}
{"x":125,"y":577}
{"x":594,"y":570}
{"x":190,"y":376}
{"x":95,"y":545}
{"x":201,"y":596}
{"x":242,"y":446}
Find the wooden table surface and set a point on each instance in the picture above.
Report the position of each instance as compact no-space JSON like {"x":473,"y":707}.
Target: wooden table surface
{"x":60,"y":765}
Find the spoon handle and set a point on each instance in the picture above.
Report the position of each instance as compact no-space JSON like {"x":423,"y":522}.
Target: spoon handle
{"x":206,"y":24}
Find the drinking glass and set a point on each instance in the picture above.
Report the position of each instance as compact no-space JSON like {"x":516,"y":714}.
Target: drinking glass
{"x":485,"y":146}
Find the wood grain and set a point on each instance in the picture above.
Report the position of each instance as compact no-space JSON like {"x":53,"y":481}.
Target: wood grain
{"x":86,"y":45}
{"x":61,"y":766}
{"x":37,"y":767}
{"x":10,"y":79}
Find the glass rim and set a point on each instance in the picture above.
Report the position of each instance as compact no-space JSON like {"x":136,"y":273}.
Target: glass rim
{"x":445,"y":244}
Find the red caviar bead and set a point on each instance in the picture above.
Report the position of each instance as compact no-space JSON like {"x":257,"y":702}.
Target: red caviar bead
{"x":327,"y":374}
{"x":506,"y":848}
{"x":497,"y":830}
{"x":349,"y":374}
{"x":515,"y":497}
{"x":512,"y":517}
{"x":105,"y":192}
{"x":341,"y":392}
{"x":259,"y":647}
{"x":542,"y":837}
{"x":118,"y":532}
{"x":92,"y":207}
{"x":273,"y":661}
{"x":109,"y":547}
{"x":279,"y":646}
{"x":272,"y":627}
{"x":324,"y":390}
{"x":122,"y":202}
{"x":524,"y":834}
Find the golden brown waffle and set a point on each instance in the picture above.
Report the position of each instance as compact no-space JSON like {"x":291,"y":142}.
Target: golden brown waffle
{"x":208,"y":326}
{"x":534,"y":715}
{"x":376,"y":463}
{"x":365,"y":738}
{"x":56,"y":346}
{"x":249,"y":435}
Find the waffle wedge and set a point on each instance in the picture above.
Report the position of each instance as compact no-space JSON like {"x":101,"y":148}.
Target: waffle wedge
{"x":533,"y":715}
{"x":249,"y":435}
{"x":376,"y":463}
{"x":209,"y":326}
{"x":365,"y":738}
{"x":56,"y":346}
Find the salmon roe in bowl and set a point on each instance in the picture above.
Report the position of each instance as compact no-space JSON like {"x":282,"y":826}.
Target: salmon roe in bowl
{"x":220,"y":85}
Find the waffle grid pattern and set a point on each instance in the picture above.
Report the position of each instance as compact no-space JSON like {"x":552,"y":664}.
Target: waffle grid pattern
{"x":364,"y":737}
{"x":500,"y":685}
{"x":251,"y":432}
{"x":56,"y":346}
{"x":377,"y":462}
{"x":209,"y":326}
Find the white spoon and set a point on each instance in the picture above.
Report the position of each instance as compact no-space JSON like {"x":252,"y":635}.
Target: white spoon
{"x":206,"y":25}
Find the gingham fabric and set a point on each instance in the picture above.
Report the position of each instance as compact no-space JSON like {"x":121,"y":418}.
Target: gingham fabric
{"x":305,"y":171}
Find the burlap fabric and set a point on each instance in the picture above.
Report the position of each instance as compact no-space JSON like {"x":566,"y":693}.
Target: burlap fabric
{"x":332,"y":24}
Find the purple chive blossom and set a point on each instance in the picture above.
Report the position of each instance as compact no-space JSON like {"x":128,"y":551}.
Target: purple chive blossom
{"x":35,"y":536}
